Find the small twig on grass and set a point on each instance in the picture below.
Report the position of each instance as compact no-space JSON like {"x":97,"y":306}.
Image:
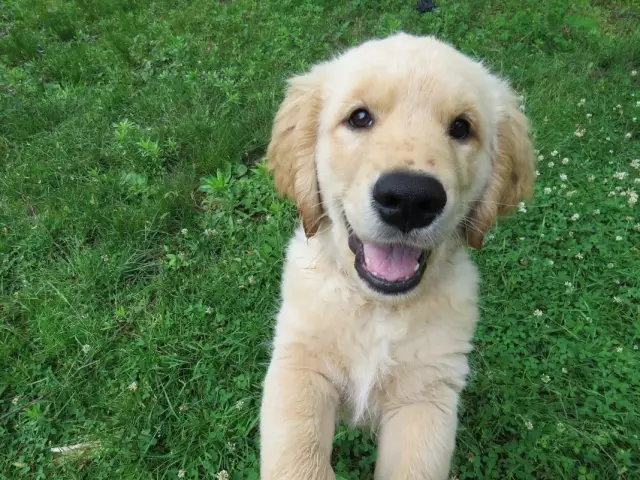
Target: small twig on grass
{"x":21,"y":407}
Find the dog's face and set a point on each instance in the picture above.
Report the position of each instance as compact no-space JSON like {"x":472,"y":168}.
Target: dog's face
{"x":398,"y":146}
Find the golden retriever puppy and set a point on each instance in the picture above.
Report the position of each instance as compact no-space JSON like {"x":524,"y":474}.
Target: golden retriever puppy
{"x":399,"y":154}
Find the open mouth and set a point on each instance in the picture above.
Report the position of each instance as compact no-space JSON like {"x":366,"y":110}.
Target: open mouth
{"x":391,"y":268}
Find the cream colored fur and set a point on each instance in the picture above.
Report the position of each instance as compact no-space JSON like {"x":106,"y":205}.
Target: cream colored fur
{"x":396,"y":363}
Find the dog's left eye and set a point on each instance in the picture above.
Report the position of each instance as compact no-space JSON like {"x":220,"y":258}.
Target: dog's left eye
{"x":460,"y":129}
{"x":361,"y":118}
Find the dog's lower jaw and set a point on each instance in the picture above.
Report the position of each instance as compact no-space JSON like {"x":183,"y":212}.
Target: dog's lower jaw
{"x":389,"y":286}
{"x":383,"y":286}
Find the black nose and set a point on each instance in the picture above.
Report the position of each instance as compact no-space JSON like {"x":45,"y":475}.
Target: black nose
{"x":408,"y":200}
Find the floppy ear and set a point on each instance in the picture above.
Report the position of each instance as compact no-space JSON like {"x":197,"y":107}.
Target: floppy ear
{"x":291,"y":152}
{"x":513,"y":172}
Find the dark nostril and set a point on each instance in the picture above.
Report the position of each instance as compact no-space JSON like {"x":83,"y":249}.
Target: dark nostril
{"x":388,"y":200}
{"x":425,"y":205}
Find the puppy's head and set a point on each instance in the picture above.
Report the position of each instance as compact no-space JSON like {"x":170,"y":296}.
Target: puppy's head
{"x":396,"y":147}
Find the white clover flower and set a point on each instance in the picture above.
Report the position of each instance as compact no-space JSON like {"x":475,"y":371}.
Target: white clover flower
{"x":222,"y":475}
{"x":528,"y":425}
{"x":582,"y":102}
{"x":86,"y":348}
{"x":579,"y":256}
{"x":565,"y":161}
{"x":547,"y":191}
{"x":589,"y":115}
{"x":550,"y":262}
{"x":618,"y":238}
{"x":522,"y":208}
{"x":564,"y":370}
{"x":627,"y":135}
{"x":133,"y":386}
{"x":554,"y":153}
{"x":575,"y":217}
{"x":545,"y":378}
{"x":550,"y":164}
{"x":563,"y":177}
{"x":537,"y":313}
{"x":184,"y":231}
{"x":540,"y":157}
{"x":619,"y":349}
{"x":181,"y":473}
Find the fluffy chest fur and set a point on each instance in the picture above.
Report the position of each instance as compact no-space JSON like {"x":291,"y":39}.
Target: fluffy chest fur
{"x":378,"y":354}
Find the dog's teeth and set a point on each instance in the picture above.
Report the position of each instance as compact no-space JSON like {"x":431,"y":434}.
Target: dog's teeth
{"x":416,"y":267}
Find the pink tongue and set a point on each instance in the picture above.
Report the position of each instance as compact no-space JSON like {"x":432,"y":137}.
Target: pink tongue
{"x":391,"y":262}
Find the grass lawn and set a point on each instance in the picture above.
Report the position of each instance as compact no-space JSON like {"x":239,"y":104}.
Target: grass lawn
{"x":141,"y":240}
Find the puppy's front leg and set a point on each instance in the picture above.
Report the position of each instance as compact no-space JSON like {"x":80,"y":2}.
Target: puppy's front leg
{"x":297,"y":419}
{"x":417,"y":439}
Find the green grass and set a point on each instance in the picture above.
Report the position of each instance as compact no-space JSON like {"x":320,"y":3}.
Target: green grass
{"x":117,"y":267}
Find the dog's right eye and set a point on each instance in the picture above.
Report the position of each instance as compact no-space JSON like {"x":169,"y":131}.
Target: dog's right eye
{"x":361,"y":118}
{"x":460,"y":129}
